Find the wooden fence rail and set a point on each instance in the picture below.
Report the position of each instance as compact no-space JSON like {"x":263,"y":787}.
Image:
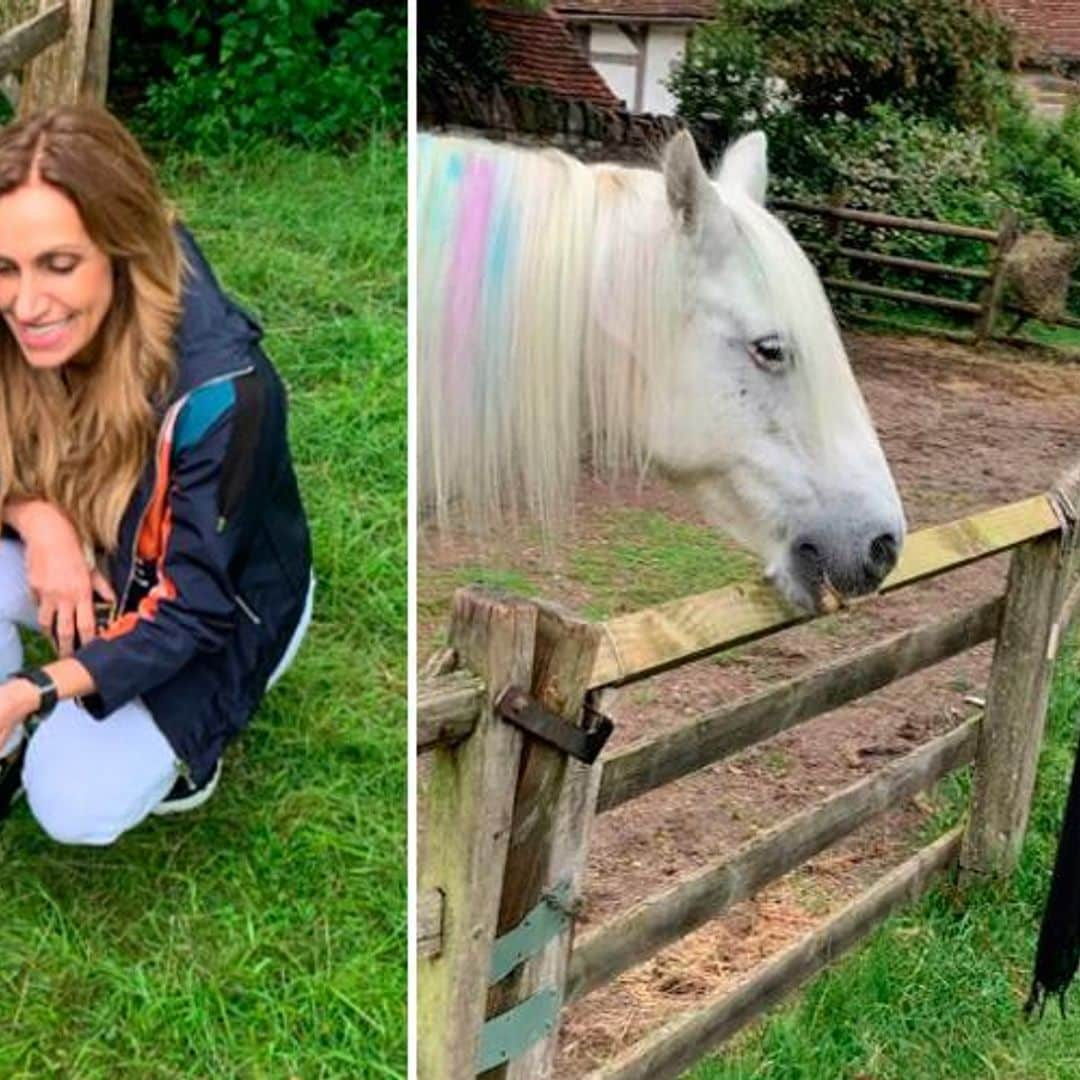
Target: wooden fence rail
{"x":887,"y":221}
{"x":643,"y":643}
{"x":21,"y":44}
{"x":60,"y":50}
{"x":690,"y":746}
{"x":512,"y":813}
{"x":676,"y":1046}
{"x":983,"y":310}
{"x":669,"y":915}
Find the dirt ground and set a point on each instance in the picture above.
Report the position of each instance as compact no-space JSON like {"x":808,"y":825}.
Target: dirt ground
{"x":962,"y":431}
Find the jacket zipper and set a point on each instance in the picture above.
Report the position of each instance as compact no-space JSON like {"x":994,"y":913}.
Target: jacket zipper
{"x":243,"y":605}
{"x":174,"y":408}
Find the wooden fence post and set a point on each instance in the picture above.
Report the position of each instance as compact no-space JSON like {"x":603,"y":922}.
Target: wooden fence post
{"x":990,"y":300}
{"x":95,"y":81}
{"x":553,"y":814}
{"x":1016,"y":699}
{"x":469,"y":807}
{"x":73,"y":69}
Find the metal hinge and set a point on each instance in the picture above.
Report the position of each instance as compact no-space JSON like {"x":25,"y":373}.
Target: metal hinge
{"x":583,"y":743}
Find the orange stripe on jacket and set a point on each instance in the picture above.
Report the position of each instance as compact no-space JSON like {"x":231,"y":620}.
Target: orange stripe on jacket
{"x":152,"y":543}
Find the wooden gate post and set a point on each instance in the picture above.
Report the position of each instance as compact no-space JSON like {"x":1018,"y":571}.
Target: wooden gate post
{"x":990,"y":300}
{"x":553,"y":813}
{"x":469,"y":805}
{"x":1012,"y":726}
{"x":75,"y":67}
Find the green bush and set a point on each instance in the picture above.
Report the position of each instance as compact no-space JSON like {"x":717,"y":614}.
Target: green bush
{"x":904,"y":108}
{"x":940,"y":58}
{"x":1041,"y":160}
{"x":899,"y":164}
{"x":455,"y":48}
{"x":314,"y":72}
{"x":723,"y":79}
{"x":896,"y":164}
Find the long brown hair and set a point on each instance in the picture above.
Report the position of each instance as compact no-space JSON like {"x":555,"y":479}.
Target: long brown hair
{"x":80,"y":436}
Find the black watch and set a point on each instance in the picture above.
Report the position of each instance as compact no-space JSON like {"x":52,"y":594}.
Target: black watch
{"x":45,"y":684}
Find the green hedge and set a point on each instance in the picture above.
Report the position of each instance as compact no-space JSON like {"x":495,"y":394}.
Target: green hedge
{"x":311,"y":72}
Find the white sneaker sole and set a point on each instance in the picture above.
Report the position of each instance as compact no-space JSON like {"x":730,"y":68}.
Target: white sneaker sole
{"x":192,"y":801}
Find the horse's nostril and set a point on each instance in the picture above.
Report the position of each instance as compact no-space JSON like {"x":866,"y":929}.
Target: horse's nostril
{"x":809,"y":551}
{"x":883,"y":552}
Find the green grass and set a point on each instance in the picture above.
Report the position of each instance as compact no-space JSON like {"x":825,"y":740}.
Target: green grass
{"x":936,"y":994}
{"x":621,"y":559}
{"x":637,"y":558}
{"x":911,"y":319}
{"x":1066,"y":338}
{"x":264,"y":935}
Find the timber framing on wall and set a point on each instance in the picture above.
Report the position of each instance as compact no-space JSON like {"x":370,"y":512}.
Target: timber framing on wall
{"x":638,"y":36}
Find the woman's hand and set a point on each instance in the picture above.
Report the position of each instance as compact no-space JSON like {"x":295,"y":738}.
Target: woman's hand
{"x":18,"y":699}
{"x":57,"y":573}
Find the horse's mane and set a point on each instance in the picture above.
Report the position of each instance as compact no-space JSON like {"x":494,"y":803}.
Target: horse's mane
{"x":549,"y":291}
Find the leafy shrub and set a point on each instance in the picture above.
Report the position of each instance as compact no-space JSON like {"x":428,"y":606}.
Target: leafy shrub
{"x":891,"y":163}
{"x":913,"y":166}
{"x":314,"y":72}
{"x":723,"y":79}
{"x":1042,"y":160}
{"x":941,"y":58}
{"x":455,"y":48}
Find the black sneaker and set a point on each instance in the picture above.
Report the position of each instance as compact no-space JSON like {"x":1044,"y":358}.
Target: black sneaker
{"x":11,"y":779}
{"x":185,"y":796}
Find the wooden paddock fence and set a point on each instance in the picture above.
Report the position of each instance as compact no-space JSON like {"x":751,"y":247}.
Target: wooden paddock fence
{"x":508,"y":814}
{"x":983,"y":309}
{"x":55,"y":52}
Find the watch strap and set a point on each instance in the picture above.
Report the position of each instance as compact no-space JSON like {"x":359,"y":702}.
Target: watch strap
{"x":45,"y":684}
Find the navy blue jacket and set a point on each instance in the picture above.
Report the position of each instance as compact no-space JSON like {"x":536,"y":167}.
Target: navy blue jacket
{"x":214,"y":558}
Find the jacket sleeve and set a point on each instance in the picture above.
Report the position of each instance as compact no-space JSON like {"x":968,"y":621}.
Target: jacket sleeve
{"x":191,"y":607}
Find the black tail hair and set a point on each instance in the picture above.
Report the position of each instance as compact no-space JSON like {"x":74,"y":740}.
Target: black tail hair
{"x":1058,"y":954}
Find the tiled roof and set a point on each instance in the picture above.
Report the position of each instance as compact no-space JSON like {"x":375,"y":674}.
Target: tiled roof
{"x":541,"y":51}
{"x":638,"y":9}
{"x":1046,"y":27}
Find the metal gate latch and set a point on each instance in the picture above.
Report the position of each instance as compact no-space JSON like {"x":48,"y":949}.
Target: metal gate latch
{"x":583,"y":743}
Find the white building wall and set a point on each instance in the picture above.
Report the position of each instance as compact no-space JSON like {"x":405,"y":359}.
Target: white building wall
{"x":606,"y":38}
{"x":666,"y":45}
{"x":663,"y":46}
{"x":622,"y":78}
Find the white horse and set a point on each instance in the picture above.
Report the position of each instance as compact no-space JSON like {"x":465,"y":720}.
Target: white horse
{"x":648,"y":318}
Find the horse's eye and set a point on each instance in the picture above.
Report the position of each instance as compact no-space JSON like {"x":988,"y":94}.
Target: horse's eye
{"x":768,"y":354}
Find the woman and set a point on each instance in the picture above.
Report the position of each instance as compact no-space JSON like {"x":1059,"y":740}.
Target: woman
{"x":152,"y":522}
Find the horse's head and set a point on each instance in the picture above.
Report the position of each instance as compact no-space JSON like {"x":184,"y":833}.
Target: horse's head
{"x":761,"y":413}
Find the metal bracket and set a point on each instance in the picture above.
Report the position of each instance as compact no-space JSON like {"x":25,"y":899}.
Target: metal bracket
{"x":583,"y":743}
{"x":543,"y":924}
{"x":510,"y":1034}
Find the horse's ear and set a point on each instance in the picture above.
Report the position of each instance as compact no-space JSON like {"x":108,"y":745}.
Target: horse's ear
{"x":688,"y":185}
{"x":745,"y":166}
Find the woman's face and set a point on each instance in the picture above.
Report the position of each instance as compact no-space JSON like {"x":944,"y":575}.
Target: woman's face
{"x":55,"y":284}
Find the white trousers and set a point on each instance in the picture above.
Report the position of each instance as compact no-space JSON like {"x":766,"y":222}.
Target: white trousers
{"x":88,"y":781}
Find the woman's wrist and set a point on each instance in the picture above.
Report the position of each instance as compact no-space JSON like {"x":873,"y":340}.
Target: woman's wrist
{"x":26,"y":516}
{"x":27,"y":695}
{"x":69,"y":677}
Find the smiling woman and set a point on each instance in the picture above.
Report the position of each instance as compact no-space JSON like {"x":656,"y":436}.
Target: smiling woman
{"x":55,"y":282}
{"x":153,"y":527}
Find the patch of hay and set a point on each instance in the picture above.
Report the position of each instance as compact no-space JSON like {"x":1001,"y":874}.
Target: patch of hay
{"x":1037,"y":272}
